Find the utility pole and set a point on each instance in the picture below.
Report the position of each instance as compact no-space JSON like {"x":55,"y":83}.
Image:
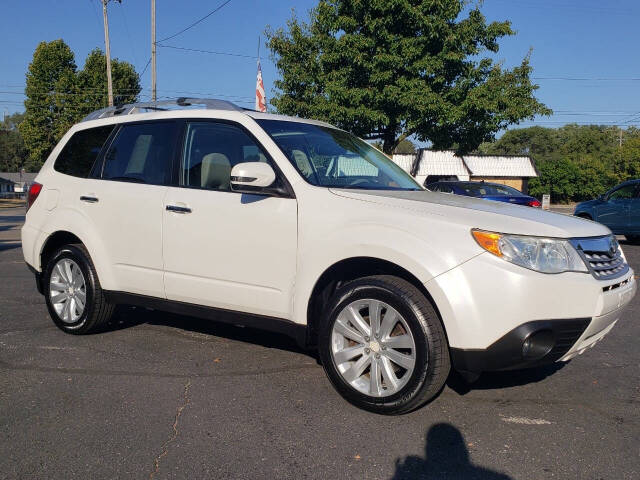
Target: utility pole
{"x":108,"y":51}
{"x":620,"y":143}
{"x":153,"y":50}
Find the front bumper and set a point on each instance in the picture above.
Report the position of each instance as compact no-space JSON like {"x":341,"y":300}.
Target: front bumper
{"x":499,"y":316}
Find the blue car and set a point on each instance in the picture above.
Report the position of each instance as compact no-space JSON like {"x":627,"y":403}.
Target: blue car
{"x":486,"y":190}
{"x":618,"y":209}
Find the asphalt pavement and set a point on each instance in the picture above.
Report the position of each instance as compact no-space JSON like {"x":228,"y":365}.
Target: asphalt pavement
{"x":164,"y":396}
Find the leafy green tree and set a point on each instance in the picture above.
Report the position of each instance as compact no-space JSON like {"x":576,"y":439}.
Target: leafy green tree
{"x":12,"y":151}
{"x":92,"y":82}
{"x":58,"y":95}
{"x":557,"y":178}
{"x":389,"y":69}
{"x":49,"y":79}
{"x":575,"y":162}
{"x":405,"y":146}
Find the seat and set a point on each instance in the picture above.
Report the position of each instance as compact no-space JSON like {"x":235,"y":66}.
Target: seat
{"x":302,"y":162}
{"x":215,"y":172}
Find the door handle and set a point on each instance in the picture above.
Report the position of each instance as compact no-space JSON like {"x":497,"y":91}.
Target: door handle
{"x":177,"y":209}
{"x":89,"y":199}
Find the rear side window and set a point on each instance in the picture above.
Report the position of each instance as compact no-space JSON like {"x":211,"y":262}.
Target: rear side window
{"x":80,"y":152}
{"x":141,"y":153}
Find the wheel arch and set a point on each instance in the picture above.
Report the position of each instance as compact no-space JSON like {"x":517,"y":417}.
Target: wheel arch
{"x":55,"y":241}
{"x":349,"y":269}
{"x":585,"y":215}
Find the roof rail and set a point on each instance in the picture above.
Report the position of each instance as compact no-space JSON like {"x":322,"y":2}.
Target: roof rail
{"x":162,"y":105}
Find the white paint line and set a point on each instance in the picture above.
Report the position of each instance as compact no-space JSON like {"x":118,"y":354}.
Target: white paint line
{"x":526,"y":421}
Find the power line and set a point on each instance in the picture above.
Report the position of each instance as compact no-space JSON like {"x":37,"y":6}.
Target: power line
{"x":195,"y":23}
{"x":208,"y":51}
{"x":146,"y":66}
{"x":589,"y":79}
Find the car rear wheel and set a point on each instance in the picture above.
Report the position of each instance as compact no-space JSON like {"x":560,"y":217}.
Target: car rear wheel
{"x":72,"y":291}
{"x":382,"y":345}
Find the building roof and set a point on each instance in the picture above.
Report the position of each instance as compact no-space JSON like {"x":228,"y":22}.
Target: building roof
{"x":15,"y":177}
{"x":404,"y":161}
{"x":500,"y":166}
{"x":447,"y":163}
{"x":444,"y":162}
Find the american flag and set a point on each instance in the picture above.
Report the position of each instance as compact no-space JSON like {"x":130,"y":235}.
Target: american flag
{"x":261,"y":99}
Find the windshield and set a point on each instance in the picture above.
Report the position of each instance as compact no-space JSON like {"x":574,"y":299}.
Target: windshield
{"x":481,"y":189}
{"x":328,"y":157}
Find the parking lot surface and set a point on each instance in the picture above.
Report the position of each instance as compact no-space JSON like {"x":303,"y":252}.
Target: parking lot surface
{"x":164,"y":396}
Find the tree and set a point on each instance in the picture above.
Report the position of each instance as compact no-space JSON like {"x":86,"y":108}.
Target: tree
{"x":389,"y":69}
{"x":92,"y":82}
{"x":575,"y":162}
{"x":12,"y":151}
{"x":49,"y":83}
{"x":405,"y":146}
{"x":58,"y":95}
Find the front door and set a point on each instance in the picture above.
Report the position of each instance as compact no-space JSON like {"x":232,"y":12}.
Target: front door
{"x":221,"y":248}
{"x":125,"y":203}
{"x":614,"y":212}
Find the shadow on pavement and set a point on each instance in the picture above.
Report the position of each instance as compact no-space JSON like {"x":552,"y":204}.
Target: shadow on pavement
{"x":9,"y":245}
{"x":446,"y":457}
{"x":127,"y":317}
{"x":16,"y":219}
{"x":505,"y":379}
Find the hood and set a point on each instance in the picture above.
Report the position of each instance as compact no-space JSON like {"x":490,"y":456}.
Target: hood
{"x":483,"y":214}
{"x":588,"y":203}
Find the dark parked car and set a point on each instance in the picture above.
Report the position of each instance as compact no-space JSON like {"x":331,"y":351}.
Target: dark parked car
{"x":486,"y":190}
{"x":618,"y":209}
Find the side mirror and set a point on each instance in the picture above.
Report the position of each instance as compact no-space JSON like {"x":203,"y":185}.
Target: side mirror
{"x":252,"y":177}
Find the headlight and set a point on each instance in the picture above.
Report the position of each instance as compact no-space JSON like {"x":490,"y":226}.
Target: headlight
{"x":546,"y":255}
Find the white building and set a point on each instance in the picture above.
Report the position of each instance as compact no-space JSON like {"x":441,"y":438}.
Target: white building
{"x":429,"y":166}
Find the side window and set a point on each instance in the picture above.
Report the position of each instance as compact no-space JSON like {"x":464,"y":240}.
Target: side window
{"x":80,"y":152}
{"x":623,"y":193}
{"x":141,"y":153}
{"x":210,"y":152}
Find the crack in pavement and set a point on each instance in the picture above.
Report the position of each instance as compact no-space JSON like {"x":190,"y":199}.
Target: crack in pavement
{"x":165,"y":447}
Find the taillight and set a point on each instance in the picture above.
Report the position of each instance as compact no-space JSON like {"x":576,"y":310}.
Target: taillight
{"x":534,"y":203}
{"x":34,"y":191}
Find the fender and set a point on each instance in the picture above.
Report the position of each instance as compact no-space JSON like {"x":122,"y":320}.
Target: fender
{"x":76,"y":222}
{"x":395,"y":245}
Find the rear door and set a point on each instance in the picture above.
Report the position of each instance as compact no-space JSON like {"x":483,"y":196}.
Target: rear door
{"x":124,"y":203}
{"x":222,"y":248}
{"x":615,"y":211}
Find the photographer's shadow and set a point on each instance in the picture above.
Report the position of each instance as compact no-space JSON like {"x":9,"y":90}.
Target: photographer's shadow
{"x":446,"y":458}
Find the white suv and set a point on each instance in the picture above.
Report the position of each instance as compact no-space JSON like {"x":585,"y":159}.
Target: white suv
{"x":204,"y":208}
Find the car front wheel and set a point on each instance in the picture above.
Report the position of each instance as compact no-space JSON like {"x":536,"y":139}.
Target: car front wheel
{"x":382,"y":345}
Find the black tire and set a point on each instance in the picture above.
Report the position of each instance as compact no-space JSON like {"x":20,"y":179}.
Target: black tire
{"x":633,"y":239}
{"x":97,"y":310}
{"x":432,"y":353}
{"x":586,"y":216}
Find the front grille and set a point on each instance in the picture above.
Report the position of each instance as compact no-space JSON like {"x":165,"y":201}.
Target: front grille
{"x":602,"y":256}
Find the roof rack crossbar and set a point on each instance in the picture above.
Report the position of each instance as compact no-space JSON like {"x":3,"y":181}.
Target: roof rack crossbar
{"x":131,"y":108}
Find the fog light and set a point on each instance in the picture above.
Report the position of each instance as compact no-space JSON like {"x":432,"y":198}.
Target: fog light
{"x":538,"y":344}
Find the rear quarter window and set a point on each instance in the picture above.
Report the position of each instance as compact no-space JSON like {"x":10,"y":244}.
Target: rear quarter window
{"x":81,"y":151}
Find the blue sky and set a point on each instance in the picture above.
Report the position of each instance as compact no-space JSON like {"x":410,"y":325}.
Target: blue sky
{"x":585,"y":52}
